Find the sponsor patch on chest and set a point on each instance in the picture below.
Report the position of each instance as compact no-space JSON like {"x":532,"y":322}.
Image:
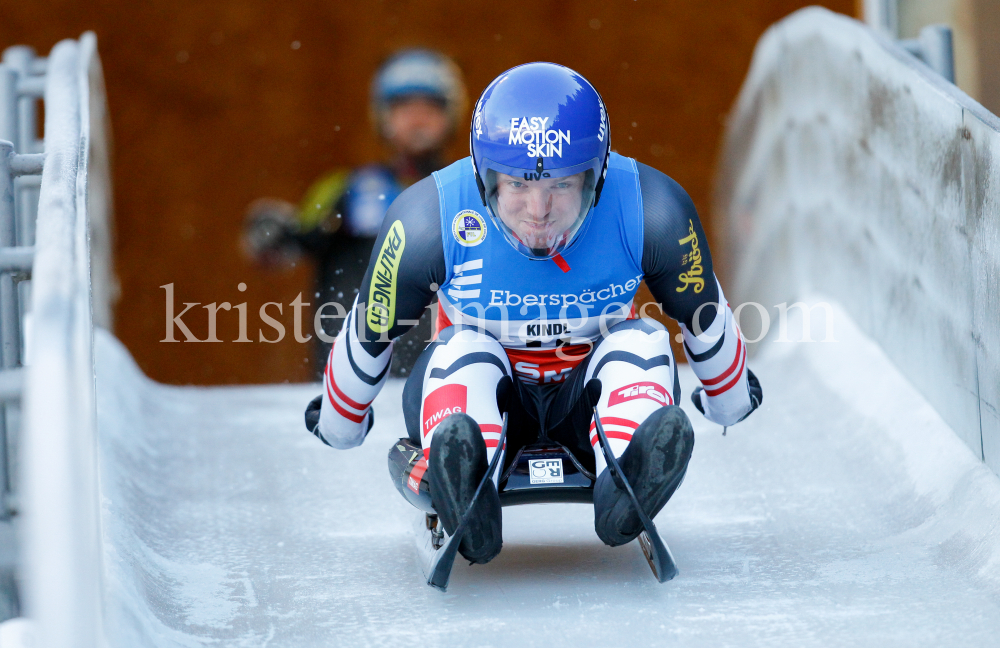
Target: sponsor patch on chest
{"x":469,"y":228}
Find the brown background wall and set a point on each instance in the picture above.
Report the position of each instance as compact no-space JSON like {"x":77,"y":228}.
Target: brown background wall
{"x":212,"y":106}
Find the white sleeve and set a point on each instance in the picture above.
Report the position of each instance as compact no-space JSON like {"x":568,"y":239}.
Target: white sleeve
{"x":719,"y":358}
{"x":351,"y":382}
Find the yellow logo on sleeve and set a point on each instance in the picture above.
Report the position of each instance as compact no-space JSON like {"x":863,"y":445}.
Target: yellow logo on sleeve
{"x":382,"y":294}
{"x":693,"y":275}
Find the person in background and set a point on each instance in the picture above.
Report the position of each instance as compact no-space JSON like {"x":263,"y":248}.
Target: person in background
{"x":417,"y":98}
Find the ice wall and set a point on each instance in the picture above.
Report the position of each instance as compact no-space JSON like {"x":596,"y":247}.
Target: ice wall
{"x":851,"y":169}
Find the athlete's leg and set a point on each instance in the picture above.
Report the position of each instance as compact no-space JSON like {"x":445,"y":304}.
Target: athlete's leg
{"x":461,"y":376}
{"x":413,"y":393}
{"x":522,"y":417}
{"x":650,"y":436}
{"x":460,"y":424}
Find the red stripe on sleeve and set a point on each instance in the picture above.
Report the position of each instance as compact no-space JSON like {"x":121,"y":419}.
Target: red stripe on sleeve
{"x":730,"y":384}
{"x":346,"y":398}
{"x":343,"y":396}
{"x":350,"y":416}
{"x":736,"y":360}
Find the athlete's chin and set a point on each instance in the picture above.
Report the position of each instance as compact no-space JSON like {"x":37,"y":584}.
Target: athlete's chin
{"x":537,"y":242}
{"x":536,"y":236}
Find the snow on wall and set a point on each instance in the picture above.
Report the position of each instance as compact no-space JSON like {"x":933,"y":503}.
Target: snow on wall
{"x":60,"y":540}
{"x":851,"y":169}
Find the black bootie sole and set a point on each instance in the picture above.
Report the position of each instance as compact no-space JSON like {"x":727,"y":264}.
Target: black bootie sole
{"x":654,"y":464}
{"x":457,"y":465}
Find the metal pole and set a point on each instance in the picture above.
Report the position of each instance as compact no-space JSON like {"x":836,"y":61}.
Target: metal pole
{"x":10,"y":338}
{"x":27,"y":187}
{"x":20,"y":88}
{"x":8,"y":307}
{"x":883,"y":15}
{"x":30,"y":87}
{"x":8,"y":103}
{"x":19,"y":59}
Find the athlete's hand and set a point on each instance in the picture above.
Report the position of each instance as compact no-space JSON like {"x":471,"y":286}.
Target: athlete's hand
{"x":312,"y":415}
{"x":700,"y":400}
{"x":756,"y":393}
{"x":266,"y":233}
{"x":312,"y":419}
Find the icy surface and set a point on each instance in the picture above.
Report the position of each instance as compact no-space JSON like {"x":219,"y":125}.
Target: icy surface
{"x":844,"y":512}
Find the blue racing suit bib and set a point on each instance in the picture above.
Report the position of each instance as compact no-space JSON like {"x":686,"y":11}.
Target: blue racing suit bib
{"x":534,"y":307}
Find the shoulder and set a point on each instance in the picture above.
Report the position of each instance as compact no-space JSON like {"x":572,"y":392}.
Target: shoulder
{"x":372,"y":177}
{"x":662,"y":193}
{"x":333,"y":176}
{"x":670,"y":224}
{"x":458,"y":167}
{"x":456,"y":172}
{"x":456,"y":186}
{"x":618,"y":162}
{"x":418,"y":206}
{"x":322,"y":195}
{"x":667,"y":210}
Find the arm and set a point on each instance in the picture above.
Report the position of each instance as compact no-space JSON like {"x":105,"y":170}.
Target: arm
{"x":276,"y":232}
{"x":407,"y":258}
{"x":678,"y":271}
{"x":321,"y":213}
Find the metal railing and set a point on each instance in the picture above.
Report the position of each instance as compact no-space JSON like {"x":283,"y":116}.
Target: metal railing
{"x":933,"y":46}
{"x":47,"y":389}
{"x":22,"y":84}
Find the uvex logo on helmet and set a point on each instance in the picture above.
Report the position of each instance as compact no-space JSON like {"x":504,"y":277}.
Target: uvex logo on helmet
{"x":477,"y":120}
{"x":541,"y":142}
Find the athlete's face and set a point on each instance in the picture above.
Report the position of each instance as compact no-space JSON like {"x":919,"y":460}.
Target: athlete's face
{"x":539,"y":211}
{"x":416,"y":126}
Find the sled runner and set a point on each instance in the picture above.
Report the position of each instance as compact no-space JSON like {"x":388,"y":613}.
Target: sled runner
{"x":542,"y":472}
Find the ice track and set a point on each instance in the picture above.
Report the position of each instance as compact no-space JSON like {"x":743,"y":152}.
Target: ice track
{"x":845,"y":512}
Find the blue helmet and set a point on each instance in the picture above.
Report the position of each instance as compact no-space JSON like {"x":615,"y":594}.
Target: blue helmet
{"x":540,"y":121}
{"x":417,"y":72}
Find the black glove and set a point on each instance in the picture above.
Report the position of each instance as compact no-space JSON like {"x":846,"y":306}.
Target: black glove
{"x":268,"y":233}
{"x":696,"y":399}
{"x":312,"y":414}
{"x":756,"y":395}
{"x":312,"y":418}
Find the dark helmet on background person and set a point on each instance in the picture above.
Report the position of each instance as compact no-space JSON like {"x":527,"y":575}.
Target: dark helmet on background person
{"x":540,"y":121}
{"x":417,"y":73}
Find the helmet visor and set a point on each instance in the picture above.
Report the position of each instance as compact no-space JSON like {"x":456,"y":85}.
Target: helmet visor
{"x":540,"y":214}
